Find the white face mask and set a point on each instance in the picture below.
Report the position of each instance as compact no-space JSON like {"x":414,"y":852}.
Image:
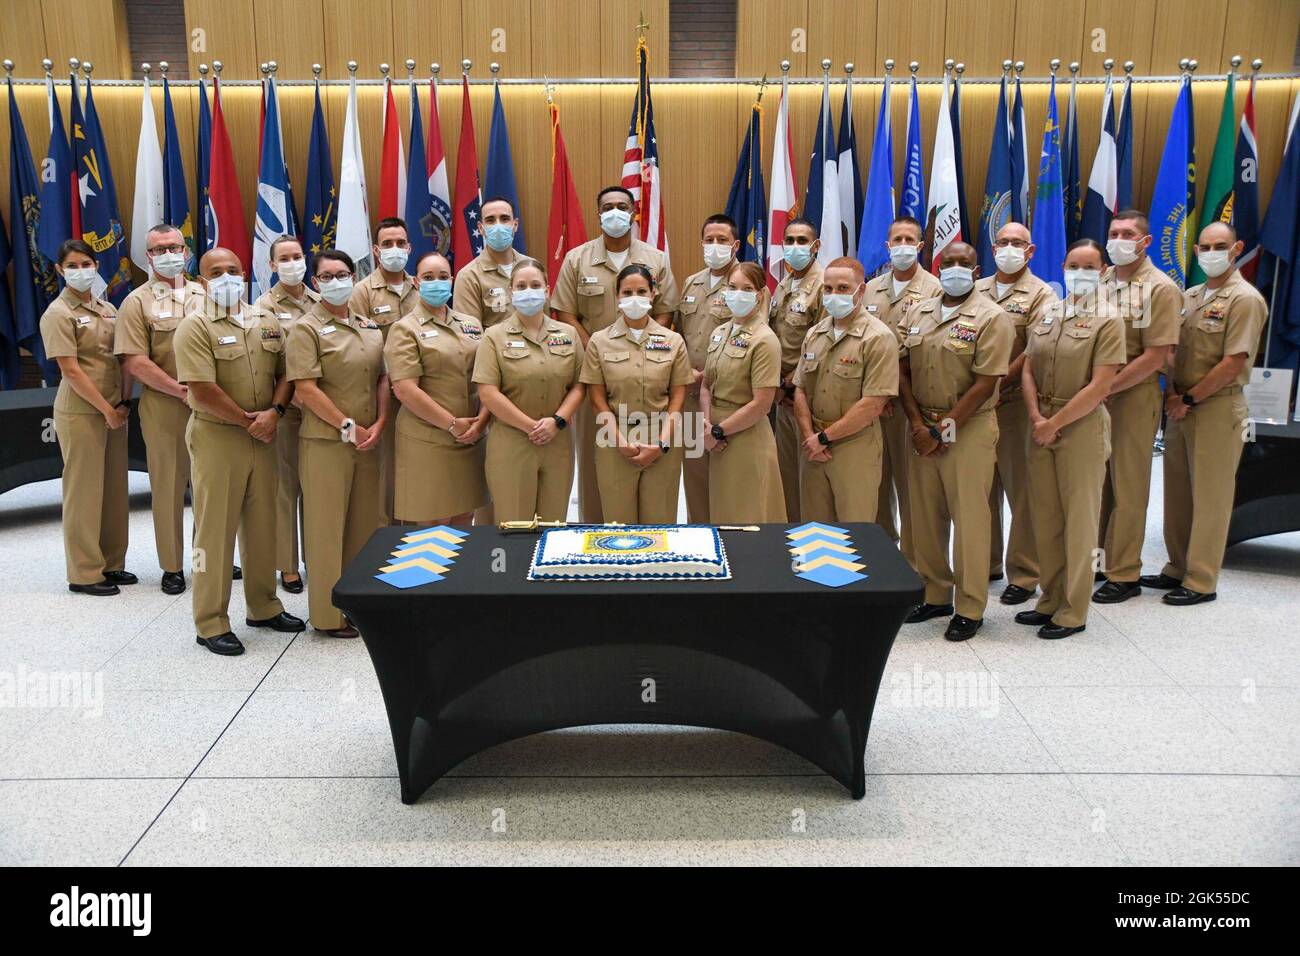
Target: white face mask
{"x":226,"y":290}
{"x":1214,"y":262}
{"x":80,"y":279}
{"x":739,"y":302}
{"x":615,"y":222}
{"x":1081,"y":282}
{"x":957,"y":280}
{"x":393,"y":259}
{"x":839,"y":304}
{"x":635,"y":306}
{"x":169,"y":264}
{"x":903,"y":257}
{"x":716,"y":255}
{"x":1122,"y":252}
{"x":291,"y":271}
{"x":528,"y":301}
{"x":336,"y":291}
{"x":1010,"y":260}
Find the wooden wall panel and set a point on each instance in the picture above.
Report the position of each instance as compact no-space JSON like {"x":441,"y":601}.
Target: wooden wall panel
{"x":1188,"y":28}
{"x":22,"y":37}
{"x":979,"y":33}
{"x":92,"y":30}
{"x":367,"y":39}
{"x":845,"y":31}
{"x":905,"y":34}
{"x":1044,"y":31}
{"x":1125,"y":29}
{"x":292,"y":33}
{"x":558,"y":43}
{"x":428,"y":31}
{"x":1261,"y":28}
{"x":764,"y":31}
{"x":487,"y":25}
{"x":617,"y":37}
{"x":228,"y":35}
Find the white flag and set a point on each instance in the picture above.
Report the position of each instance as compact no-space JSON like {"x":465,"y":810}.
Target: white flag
{"x":148,"y":210}
{"x":353,"y":235}
{"x":1104,"y":178}
{"x":944,"y":206}
{"x":832,"y":237}
{"x":783,"y":192}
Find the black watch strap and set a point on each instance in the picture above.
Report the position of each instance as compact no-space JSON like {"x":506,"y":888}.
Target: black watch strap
{"x":279,"y":410}
{"x":1188,"y":400}
{"x":935,"y":433}
{"x":560,"y":422}
{"x":821,"y":437}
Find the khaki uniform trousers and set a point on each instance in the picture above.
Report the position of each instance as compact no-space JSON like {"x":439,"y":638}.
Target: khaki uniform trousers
{"x":789,"y":455}
{"x":846,"y":488}
{"x":632,"y":495}
{"x":745,"y":478}
{"x":589,"y":509}
{"x":95,"y":513}
{"x":695,"y":471}
{"x":1201,"y":456}
{"x":163,"y":421}
{"x":340,"y":492}
{"x":1011,"y":479}
{"x":1065,"y":480}
{"x":526,"y":479}
{"x":1134,"y":420}
{"x":387,"y":452}
{"x":289,"y":491}
{"x":951,"y":491}
{"x":896,"y":448}
{"x":234,"y":490}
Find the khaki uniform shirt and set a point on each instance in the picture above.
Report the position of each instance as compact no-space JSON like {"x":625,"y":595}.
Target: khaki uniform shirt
{"x":482,"y":289}
{"x":285,"y":307}
{"x":700,"y":311}
{"x":373,"y":299}
{"x":945,"y":355}
{"x":585,"y":286}
{"x":440,"y":353}
{"x":891,"y":309}
{"x":1228,"y":323}
{"x":742,"y":358}
{"x":638,"y":376}
{"x":346,"y":356}
{"x":84,"y":331}
{"x":243,"y":361}
{"x":1149,"y":303}
{"x":534,"y":371}
{"x":1027,"y":301}
{"x":836,"y":375}
{"x":1069,"y":341}
{"x":148,"y":319}
{"x":796,"y":306}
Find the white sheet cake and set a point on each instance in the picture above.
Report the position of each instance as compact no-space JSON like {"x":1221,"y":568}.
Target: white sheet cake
{"x":632,"y":553}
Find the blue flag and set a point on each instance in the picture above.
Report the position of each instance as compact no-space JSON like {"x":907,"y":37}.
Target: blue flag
{"x":1019,"y":161}
{"x":1124,"y":151}
{"x":419,"y":206}
{"x":1099,"y":206}
{"x":912,"y":199}
{"x":878,"y":209}
{"x":55,"y":224}
{"x":747,"y":199}
{"x":320,"y":208}
{"x":1172,"y":206}
{"x":1073,"y":197}
{"x":35,"y":281}
{"x":1049,"y":204}
{"x":101,"y":225}
{"x":499,"y":177}
{"x":1279,"y":237}
{"x":813,"y":200}
{"x":996,"y":210}
{"x":954,"y":112}
{"x":850,"y":182}
{"x":273,"y":217}
{"x":176,"y":197}
{"x":202,"y":174}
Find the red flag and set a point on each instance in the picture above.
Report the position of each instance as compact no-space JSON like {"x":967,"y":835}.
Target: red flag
{"x":466,"y":240}
{"x":565,"y":230}
{"x":392,"y":170}
{"x":228,"y":228}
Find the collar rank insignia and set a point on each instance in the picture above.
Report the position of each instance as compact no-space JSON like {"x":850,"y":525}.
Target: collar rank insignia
{"x":963,"y":332}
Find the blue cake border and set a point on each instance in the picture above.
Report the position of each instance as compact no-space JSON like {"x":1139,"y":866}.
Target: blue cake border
{"x":719,"y":561}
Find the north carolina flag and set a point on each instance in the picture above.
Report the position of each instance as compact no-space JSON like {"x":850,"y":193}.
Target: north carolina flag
{"x":466,"y":240}
{"x":100,"y":223}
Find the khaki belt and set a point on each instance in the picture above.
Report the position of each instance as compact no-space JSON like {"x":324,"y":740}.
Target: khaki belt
{"x":1051,"y":400}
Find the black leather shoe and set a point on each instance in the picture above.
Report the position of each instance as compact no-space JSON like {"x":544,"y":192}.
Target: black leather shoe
{"x":284,"y":621}
{"x":173,"y":582}
{"x":962,"y":628}
{"x":1015,"y":594}
{"x":923,"y":612}
{"x":1159,"y":582}
{"x":1116,"y":592}
{"x":99,"y":589}
{"x":227,"y":645}
{"x":120,"y":577}
{"x":1098,"y":577}
{"x":1054,"y":632}
{"x":293,"y":587}
{"x":996,"y":576}
{"x":237,"y":573}
{"x":346,"y":631}
{"x":1033,"y":618}
{"x":1181,"y":597}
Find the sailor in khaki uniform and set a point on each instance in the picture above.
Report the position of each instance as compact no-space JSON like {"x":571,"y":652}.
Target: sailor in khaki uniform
{"x":430,"y":359}
{"x":1075,"y":348}
{"x":146,"y":324}
{"x":1222,"y":322}
{"x":336,"y":363}
{"x":585,"y":298}
{"x":956,"y":347}
{"x":796,"y":308}
{"x":847,"y":373}
{"x":636,"y":373}
{"x":483,"y":286}
{"x":741,"y":376}
{"x":90,"y":415}
{"x":527,"y":373}
{"x":1026,"y":298}
{"x":288,"y":300}
{"x":888,"y":297}
{"x":232,"y":359}
{"x":1149,"y":303}
{"x":700,"y":310}
{"x":383,"y":297}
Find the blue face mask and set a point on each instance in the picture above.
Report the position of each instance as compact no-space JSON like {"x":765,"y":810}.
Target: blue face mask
{"x":435,"y":292}
{"x":499,"y":237}
{"x":797,"y":257}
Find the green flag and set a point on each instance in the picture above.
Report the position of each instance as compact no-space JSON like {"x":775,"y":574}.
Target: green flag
{"x":1218,"y":185}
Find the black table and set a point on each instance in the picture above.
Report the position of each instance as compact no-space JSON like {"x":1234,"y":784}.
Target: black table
{"x":486,"y":656}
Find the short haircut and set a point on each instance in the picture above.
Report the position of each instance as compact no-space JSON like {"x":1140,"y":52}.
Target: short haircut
{"x":850,"y":263}
{"x":616,"y":189}
{"x":70,"y":246}
{"x":907,"y":221}
{"x":801,"y":221}
{"x":1219,"y":222}
{"x":391,"y":222}
{"x":633,"y":269}
{"x":279,"y":239}
{"x":503,"y":199}
{"x":721,"y":218}
{"x":161,"y":228}
{"x":333,"y":255}
{"x":1137,"y":215}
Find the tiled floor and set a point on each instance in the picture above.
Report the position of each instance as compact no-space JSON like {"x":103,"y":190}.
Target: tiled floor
{"x":1158,"y":736}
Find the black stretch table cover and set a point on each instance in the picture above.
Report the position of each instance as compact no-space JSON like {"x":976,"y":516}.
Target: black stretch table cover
{"x":487,"y":656}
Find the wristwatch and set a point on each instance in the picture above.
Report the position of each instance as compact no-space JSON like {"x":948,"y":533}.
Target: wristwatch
{"x":664,"y":447}
{"x":279,"y":410}
{"x":345,"y":430}
{"x":935,"y":433}
{"x":821,"y":437}
{"x":1188,"y":400}
{"x":560,"y":422}
{"x":717,"y":433}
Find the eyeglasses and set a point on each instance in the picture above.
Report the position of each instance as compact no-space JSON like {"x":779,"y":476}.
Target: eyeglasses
{"x":157,"y":250}
{"x":1013,"y":243}
{"x":328,"y":276}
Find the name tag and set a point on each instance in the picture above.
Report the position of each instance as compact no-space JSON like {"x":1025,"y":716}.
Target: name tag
{"x":83,"y":320}
{"x":382,"y":309}
{"x":165,"y":315}
{"x":516,"y":344}
{"x":873,"y":307}
{"x":498,"y":291}
{"x":1047,"y":320}
{"x":429,"y":334}
{"x":227,"y":340}
{"x":283,"y":315}
{"x":589,"y":280}
{"x":688,"y":299}
{"x":914,"y":330}
{"x":715,"y":338}
{"x":327,"y":330}
{"x":809,"y":356}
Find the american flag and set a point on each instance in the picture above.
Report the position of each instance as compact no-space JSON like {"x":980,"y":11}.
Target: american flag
{"x":641,"y":162}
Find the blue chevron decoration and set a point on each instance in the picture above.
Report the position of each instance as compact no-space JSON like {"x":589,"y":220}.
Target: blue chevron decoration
{"x":424,"y":556}
{"x":824,"y":554}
